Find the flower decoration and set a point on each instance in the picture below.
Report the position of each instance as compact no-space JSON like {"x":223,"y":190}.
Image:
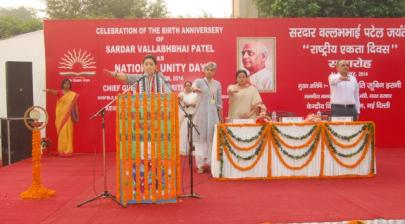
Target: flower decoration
{"x":313,"y":118}
{"x":263,"y":118}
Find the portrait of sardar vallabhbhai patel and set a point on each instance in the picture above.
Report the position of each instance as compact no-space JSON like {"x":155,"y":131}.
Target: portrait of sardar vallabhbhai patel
{"x":256,"y":55}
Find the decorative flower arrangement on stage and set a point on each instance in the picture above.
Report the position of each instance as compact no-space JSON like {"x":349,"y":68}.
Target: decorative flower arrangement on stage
{"x":148,"y":172}
{"x":45,"y":145}
{"x":150,"y":179}
{"x":36,"y":118}
{"x":296,"y":152}
{"x":313,"y":118}
{"x":356,"y":222}
{"x":36,"y":190}
{"x":263,"y":118}
{"x":228,"y":147}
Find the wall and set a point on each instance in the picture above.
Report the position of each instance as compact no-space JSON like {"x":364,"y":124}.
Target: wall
{"x":26,"y":47}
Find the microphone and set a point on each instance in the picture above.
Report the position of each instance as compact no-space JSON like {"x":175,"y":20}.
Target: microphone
{"x":141,"y":78}
{"x":134,"y":83}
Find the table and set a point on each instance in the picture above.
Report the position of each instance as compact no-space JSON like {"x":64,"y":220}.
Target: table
{"x":293,"y":150}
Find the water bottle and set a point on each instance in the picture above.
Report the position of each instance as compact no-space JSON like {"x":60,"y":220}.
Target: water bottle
{"x":274,"y":116}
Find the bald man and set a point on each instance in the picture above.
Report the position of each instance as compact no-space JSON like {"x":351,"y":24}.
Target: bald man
{"x":344,"y":92}
{"x":254,"y":57}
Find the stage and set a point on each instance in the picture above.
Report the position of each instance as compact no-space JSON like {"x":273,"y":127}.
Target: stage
{"x":237,"y":201}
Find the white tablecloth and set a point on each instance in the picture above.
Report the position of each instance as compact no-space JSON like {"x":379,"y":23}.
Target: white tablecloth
{"x":269,"y":165}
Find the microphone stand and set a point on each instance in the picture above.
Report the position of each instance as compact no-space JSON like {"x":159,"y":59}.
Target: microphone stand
{"x":101,"y":113}
{"x":190,"y":127}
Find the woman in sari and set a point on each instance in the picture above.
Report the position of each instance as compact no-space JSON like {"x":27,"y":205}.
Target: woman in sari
{"x":244,"y":99}
{"x":65,"y":114}
{"x":188,"y":99}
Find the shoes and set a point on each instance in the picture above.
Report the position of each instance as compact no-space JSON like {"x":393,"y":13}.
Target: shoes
{"x":200,"y":170}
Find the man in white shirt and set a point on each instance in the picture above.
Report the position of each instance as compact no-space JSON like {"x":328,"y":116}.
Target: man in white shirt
{"x":344,"y":92}
{"x":254,"y":57}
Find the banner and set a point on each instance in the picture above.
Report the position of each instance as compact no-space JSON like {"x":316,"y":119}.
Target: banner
{"x":298,"y":55}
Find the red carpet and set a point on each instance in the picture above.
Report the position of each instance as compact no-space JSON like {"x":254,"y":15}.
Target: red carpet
{"x":310,"y":200}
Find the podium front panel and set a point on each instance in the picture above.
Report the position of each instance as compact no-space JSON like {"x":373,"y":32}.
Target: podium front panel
{"x":148,"y":158}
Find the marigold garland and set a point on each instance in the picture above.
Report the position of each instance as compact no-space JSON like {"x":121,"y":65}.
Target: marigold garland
{"x":137,"y":149}
{"x":117,"y":147}
{"x":229,"y":132}
{"x":172,"y":144}
{"x":166,"y":146}
{"x":329,"y":142}
{"x":159,"y":146}
{"x":222,"y":126}
{"x":306,"y":144}
{"x":219,"y":140}
{"x":156,"y":173}
{"x":225,"y":143}
{"x":306,"y":163}
{"x":127,"y":149}
{"x":130,"y":142}
{"x":123,"y":152}
{"x":356,"y":222}
{"x":178,"y":160}
{"x":259,"y":156}
{"x":269,"y":154}
{"x":239,"y":157}
{"x":36,"y":190}
{"x":322,"y":163}
{"x":145,"y":145}
{"x":347,"y":138}
{"x":372,"y":134}
{"x":296,"y":157}
{"x":361,"y":137}
{"x":260,"y":136}
{"x":319,"y":134}
{"x":220,"y":155}
{"x":355,"y":164}
{"x":152,"y":143}
{"x":310,"y":132}
{"x":369,"y":144}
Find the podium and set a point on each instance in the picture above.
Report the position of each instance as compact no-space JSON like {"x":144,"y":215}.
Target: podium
{"x":147,"y":148}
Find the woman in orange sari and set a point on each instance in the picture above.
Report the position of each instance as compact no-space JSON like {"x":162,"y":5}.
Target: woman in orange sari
{"x":66,"y":113}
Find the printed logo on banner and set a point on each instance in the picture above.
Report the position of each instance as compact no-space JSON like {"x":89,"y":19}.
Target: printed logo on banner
{"x":77,"y":63}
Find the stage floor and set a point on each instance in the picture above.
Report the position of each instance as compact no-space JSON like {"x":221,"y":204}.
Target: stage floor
{"x":79,"y":178}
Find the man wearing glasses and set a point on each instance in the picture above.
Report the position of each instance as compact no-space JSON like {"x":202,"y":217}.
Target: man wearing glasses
{"x":254,"y":57}
{"x":344,"y":92}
